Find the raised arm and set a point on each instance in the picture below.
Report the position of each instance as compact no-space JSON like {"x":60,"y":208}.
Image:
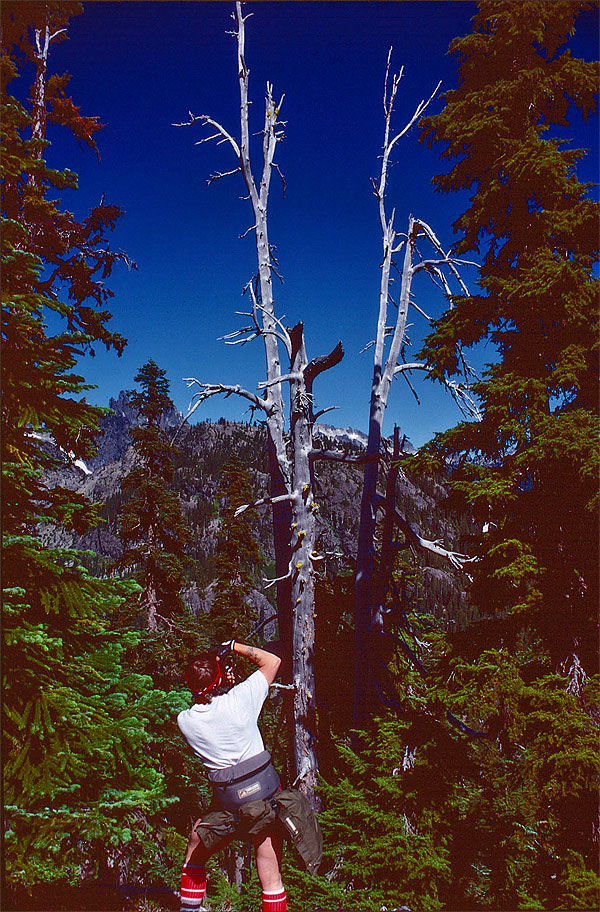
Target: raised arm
{"x":266,"y":661}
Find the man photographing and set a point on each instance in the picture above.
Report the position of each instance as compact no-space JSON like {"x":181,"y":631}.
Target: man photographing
{"x":221,"y":727}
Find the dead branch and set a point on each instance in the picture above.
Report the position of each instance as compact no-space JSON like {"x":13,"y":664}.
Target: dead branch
{"x":268,"y":501}
{"x":220,"y":174}
{"x":322,"y":363}
{"x":330,"y":408}
{"x":269,"y":321}
{"x":461,"y":395}
{"x":459,"y":391}
{"x":277,"y":579}
{"x":388,"y":331}
{"x":278,"y":169}
{"x":222,"y":135}
{"x":247,"y":231}
{"x":457,"y":559}
{"x":411,"y":365}
{"x":213,"y":389}
{"x":284,"y":378}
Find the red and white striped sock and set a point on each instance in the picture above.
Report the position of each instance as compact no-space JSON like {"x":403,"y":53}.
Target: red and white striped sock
{"x":274,"y":902}
{"x":193,"y":887}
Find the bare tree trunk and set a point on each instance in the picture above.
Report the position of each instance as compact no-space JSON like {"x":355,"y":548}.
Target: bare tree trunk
{"x":302,"y":375}
{"x":38,"y":94}
{"x":365,"y":608}
{"x":387,"y":557}
{"x":151,"y":605}
{"x":279,"y":467}
{"x":291,"y":499}
{"x":303,"y":557}
{"x":39,"y":115}
{"x":302,"y":588}
{"x":149,"y":597}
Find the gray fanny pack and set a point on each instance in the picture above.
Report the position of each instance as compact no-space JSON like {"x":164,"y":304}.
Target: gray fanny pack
{"x":245,"y":781}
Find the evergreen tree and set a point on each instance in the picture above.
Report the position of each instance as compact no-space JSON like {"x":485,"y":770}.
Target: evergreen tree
{"x":493,"y":812}
{"x":153,"y":528}
{"x":536,"y":227}
{"x":237,"y":553}
{"x":522,"y":833}
{"x":79,"y":771}
{"x":51,"y":268}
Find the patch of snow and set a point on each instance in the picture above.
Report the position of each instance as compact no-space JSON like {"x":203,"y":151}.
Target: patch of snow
{"x":47,"y":438}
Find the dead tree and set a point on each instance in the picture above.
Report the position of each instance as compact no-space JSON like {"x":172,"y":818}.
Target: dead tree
{"x":290,"y":454}
{"x":387,"y":365}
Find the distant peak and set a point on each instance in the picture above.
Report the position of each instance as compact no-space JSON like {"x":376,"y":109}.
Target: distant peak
{"x":122,"y":408}
{"x":352,"y":436}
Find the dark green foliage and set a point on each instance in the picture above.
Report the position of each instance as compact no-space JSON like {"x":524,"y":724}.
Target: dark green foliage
{"x":334,"y":645}
{"x":237,"y":553}
{"x":535,"y":224}
{"x":377,"y":853}
{"x":425,"y":816}
{"x":153,"y":528}
{"x":81,"y":779}
{"x":52,"y":265}
{"x":522,"y":833}
{"x":79,"y":771}
{"x":203,"y":451}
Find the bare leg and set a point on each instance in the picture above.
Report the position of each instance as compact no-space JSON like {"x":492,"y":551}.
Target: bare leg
{"x":196,"y":853}
{"x":268,"y":850}
{"x":193,"y":874}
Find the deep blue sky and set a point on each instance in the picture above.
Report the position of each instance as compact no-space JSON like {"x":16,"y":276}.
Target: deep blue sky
{"x":142,"y":66}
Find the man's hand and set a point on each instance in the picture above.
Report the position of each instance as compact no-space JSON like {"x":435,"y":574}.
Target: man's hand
{"x":221,"y":649}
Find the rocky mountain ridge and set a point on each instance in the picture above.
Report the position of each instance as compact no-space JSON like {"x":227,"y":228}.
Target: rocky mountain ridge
{"x":202,"y":450}
{"x":114,"y":438}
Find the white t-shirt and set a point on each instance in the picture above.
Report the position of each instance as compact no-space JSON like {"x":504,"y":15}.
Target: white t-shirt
{"x":225,"y":731}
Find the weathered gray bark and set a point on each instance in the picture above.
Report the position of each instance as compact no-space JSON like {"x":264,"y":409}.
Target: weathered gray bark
{"x":263,"y":316}
{"x":148,"y":596}
{"x":386,"y":366}
{"x":44,"y":36}
{"x":292,"y":498}
{"x":303,"y":557}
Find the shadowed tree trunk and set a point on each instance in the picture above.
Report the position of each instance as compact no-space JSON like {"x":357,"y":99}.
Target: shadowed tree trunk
{"x":369,"y":593}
